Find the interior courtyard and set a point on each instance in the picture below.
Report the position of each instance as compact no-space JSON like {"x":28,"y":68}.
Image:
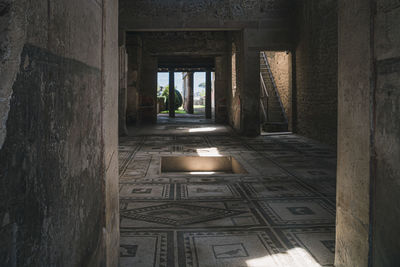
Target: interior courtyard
{"x":198,"y":133}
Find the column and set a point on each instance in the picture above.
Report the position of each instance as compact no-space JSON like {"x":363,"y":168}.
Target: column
{"x":250,"y":91}
{"x":122,"y":97}
{"x":171,"y":98}
{"x":208,"y":95}
{"x":220,"y":89}
{"x":190,"y":93}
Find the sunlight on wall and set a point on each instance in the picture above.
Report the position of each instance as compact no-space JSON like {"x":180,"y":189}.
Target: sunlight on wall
{"x":201,"y":130}
{"x":295,"y":257}
{"x":208,"y":152}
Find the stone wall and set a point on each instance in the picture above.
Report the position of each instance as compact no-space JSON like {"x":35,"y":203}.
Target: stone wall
{"x":183,"y":42}
{"x":220,"y":89}
{"x":386,"y":209}
{"x":203,"y":14}
{"x":316,"y":71}
{"x":58,"y":156}
{"x":368,"y":150}
{"x":134,"y":49}
{"x":354,"y":147}
{"x":147,"y":90}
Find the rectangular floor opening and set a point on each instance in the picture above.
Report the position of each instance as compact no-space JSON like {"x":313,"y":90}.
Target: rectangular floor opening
{"x":201,"y":165}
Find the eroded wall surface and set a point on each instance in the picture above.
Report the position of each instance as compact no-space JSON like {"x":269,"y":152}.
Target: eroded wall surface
{"x":354,"y":132}
{"x":202,"y":14}
{"x":134,"y":49}
{"x":316,"y":71}
{"x":58,"y":162}
{"x":387,"y":135}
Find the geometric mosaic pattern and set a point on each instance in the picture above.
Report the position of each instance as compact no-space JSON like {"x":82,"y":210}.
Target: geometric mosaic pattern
{"x":178,"y":214}
{"x":277,"y":189}
{"x":297,"y":211}
{"x":146,"y":191}
{"x":280,"y":213}
{"x":319,"y":241}
{"x":223,"y":214}
{"x":135,"y":248}
{"x":207,"y":191}
{"x":198,"y":249}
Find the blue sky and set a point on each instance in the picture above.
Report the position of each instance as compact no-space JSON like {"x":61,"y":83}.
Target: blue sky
{"x":163,"y":80}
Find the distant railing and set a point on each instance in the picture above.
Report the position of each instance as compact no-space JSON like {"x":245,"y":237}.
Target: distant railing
{"x":266,"y":95}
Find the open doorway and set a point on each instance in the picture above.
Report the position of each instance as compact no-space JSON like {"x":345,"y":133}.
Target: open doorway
{"x":276,"y":91}
{"x":194,"y":96}
{"x":199,"y":93}
{"x":163,"y":93}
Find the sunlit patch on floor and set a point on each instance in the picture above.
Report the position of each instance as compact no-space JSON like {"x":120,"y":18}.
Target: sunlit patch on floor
{"x":202,"y":130}
{"x":292,"y":258}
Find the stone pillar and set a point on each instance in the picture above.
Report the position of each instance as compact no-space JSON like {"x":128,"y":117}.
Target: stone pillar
{"x":134,"y":49}
{"x":122,"y":96}
{"x":147,"y":111}
{"x":208,"y":95}
{"x":190,"y":93}
{"x":221,"y":89}
{"x":354,"y":118}
{"x":293,"y":92}
{"x":368,"y":188}
{"x":250,"y":93}
{"x":171,"y":98}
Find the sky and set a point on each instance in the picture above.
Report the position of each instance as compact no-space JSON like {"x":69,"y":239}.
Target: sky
{"x":163,"y":80}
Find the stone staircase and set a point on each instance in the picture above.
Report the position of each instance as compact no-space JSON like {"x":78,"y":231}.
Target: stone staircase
{"x":273,"y":114}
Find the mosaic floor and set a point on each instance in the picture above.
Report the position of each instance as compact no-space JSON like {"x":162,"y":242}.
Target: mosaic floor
{"x":280,"y":213}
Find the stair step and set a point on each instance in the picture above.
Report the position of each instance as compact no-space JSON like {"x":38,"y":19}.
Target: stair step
{"x":276,"y":116}
{"x":276,"y":110}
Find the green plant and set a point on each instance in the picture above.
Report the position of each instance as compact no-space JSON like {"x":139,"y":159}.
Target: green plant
{"x":178,"y":98}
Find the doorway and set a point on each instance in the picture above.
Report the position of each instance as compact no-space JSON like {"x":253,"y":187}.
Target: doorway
{"x":276,"y":91}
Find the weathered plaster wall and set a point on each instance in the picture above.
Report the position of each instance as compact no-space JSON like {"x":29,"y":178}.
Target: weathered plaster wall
{"x":354,"y":129}
{"x":250,"y":91}
{"x":110,"y":175}
{"x":183,"y":43}
{"x":279,"y":63}
{"x":386,"y":206}
{"x":147,"y":108}
{"x":58,"y":162}
{"x":203,"y":14}
{"x":369,"y":147}
{"x":12,"y":37}
{"x":220,"y":89}
{"x":122,"y":91}
{"x":316,"y":70}
{"x":134,"y":49}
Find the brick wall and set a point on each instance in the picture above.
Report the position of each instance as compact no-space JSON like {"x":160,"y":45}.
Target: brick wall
{"x":316,"y":71}
{"x":279,"y":63}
